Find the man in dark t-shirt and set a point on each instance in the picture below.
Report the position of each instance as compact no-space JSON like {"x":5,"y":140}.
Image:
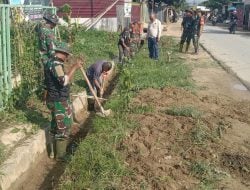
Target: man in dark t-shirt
{"x":96,"y":74}
{"x":188,"y":26}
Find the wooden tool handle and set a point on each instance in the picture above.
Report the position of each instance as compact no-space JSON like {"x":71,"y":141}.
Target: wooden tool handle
{"x":92,"y":90}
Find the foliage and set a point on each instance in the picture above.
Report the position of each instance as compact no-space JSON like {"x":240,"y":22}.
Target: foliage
{"x":216,"y":4}
{"x":66,"y":11}
{"x":66,"y":8}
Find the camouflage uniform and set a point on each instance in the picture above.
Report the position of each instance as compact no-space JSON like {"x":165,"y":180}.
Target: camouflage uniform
{"x":57,"y":84}
{"x":61,"y":113}
{"x":46,"y":46}
{"x":46,"y":37}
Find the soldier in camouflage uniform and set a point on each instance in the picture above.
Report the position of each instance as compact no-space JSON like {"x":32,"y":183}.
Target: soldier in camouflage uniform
{"x":47,"y":37}
{"x":57,"y":85}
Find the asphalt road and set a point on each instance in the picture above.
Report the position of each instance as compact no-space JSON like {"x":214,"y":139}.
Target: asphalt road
{"x":232,"y":50}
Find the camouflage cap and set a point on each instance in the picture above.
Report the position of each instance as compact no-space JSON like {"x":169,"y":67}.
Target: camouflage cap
{"x":51,"y":18}
{"x":62,"y":47}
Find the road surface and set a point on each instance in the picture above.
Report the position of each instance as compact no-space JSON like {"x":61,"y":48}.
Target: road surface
{"x":232,"y":50}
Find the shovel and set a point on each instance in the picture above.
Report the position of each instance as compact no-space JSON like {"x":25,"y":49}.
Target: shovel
{"x":103,"y":113}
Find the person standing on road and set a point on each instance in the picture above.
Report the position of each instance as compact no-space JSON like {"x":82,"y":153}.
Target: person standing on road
{"x":123,"y":44}
{"x":197,"y":30}
{"x":153,"y":36}
{"x":58,"y":102}
{"x":97,"y":73}
{"x":187,"y":33}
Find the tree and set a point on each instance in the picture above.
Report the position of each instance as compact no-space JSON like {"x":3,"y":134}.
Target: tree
{"x":175,"y":3}
{"x":216,"y":4}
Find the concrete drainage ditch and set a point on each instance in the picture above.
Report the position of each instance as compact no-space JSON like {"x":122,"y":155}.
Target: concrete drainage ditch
{"x":21,"y":168}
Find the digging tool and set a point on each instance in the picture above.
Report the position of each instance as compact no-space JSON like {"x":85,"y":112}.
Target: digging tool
{"x":89,"y":97}
{"x":104,"y":113}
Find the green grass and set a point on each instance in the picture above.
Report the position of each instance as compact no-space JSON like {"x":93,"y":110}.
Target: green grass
{"x":99,"y":163}
{"x":207,"y":174}
{"x":2,"y":153}
{"x":187,"y":111}
{"x":142,"y":109}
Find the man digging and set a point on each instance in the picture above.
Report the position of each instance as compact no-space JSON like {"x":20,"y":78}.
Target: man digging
{"x":96,"y":74}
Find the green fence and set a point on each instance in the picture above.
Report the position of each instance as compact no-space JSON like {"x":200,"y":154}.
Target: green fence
{"x":17,"y":40}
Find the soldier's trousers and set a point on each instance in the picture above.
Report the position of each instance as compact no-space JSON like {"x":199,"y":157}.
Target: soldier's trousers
{"x":195,"y":40}
{"x":61,"y":121}
{"x":186,"y":37}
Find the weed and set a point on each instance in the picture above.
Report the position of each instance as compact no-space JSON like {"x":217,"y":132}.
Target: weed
{"x":15,"y":130}
{"x":187,"y":111}
{"x":141,"y":109}
{"x":199,"y":133}
{"x":207,"y":174}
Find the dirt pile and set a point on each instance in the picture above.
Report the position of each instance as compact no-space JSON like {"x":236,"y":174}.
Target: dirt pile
{"x":180,"y":143}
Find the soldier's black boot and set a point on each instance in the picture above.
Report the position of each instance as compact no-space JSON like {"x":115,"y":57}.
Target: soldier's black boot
{"x":181,"y":48}
{"x":187,"y":47}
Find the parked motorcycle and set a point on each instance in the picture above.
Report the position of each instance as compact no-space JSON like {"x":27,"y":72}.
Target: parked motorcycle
{"x":233,"y":26}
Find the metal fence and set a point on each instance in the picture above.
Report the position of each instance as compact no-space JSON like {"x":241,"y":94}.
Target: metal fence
{"x":12,"y":22}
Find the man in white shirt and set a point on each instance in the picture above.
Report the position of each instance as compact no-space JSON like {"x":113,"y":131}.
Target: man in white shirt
{"x":154,"y":34}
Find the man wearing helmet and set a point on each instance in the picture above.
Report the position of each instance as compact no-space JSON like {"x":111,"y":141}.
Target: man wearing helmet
{"x":57,"y":85}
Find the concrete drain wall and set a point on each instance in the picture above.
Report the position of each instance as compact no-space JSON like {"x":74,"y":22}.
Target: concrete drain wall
{"x":26,"y":154}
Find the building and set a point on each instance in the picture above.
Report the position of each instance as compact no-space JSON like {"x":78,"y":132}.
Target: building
{"x":86,"y":12}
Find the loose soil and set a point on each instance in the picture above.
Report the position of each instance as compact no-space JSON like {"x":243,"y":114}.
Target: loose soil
{"x":162,"y":152}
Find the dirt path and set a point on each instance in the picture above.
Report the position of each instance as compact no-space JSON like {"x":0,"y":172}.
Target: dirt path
{"x":192,"y":139}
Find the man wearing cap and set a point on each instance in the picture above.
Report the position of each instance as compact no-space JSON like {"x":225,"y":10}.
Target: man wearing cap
{"x":123,"y":44}
{"x":47,"y":37}
{"x":97,"y":73}
{"x":153,"y":36}
{"x":187,"y":33}
{"x":57,"y":85}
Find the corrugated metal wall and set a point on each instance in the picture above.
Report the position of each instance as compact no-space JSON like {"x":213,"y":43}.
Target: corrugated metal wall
{"x":89,"y":8}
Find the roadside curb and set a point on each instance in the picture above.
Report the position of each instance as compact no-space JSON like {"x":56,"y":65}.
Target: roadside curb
{"x":29,"y":151}
{"x":226,"y":67}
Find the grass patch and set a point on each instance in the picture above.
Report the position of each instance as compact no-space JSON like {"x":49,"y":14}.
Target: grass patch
{"x":142,"y":109}
{"x":187,"y":111}
{"x":2,"y":153}
{"x":98,"y":163}
{"x":15,"y":130}
{"x":207,"y":174}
